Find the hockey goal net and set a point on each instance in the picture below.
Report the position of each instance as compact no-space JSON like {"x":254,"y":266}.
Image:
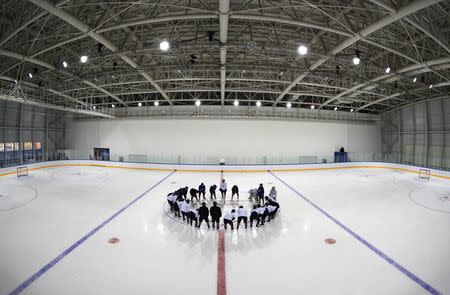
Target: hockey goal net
{"x":424,"y":174}
{"x":22,"y":171}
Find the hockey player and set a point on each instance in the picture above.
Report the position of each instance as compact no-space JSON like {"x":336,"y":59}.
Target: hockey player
{"x":260,"y":193}
{"x":235,"y":191}
{"x":272,"y":211}
{"x":263,"y":212}
{"x":201,"y":190}
{"x":242,"y":216}
{"x":254,"y":216}
{"x":203,"y":211}
{"x":193,"y":192}
{"x":184,"y":191}
{"x":215,"y":213}
{"x":223,"y":189}
{"x":193,"y":216}
{"x":273,"y":193}
{"x":171,"y":198}
{"x":177,"y":205}
{"x":253,"y":194}
{"x":185,"y":208}
{"x":212,"y":191}
{"x":228,"y":219}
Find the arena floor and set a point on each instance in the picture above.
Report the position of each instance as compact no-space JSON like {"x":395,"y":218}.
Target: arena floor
{"x":392,"y":232}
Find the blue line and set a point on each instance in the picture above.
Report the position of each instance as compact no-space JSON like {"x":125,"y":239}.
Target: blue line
{"x":366,"y":243}
{"x":66,"y":252}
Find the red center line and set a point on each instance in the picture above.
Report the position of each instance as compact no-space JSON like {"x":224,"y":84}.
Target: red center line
{"x":221,"y":279}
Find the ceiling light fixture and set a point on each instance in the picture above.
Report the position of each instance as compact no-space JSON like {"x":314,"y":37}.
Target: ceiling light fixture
{"x":156,"y":103}
{"x":289,"y":105}
{"x":258,"y":103}
{"x":30,"y":75}
{"x":302,"y":50}
{"x":198,"y":102}
{"x":164,"y":45}
{"x":83,"y":58}
{"x":357,"y":58}
{"x":236,"y":103}
{"x":313,"y":107}
{"x":388,"y":69}
{"x":140,"y":104}
{"x":415,"y":80}
{"x":65,"y":64}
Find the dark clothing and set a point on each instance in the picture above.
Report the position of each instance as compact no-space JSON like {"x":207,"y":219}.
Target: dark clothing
{"x":170,"y":204}
{"x":184,"y":192}
{"x":203,"y":212}
{"x":254,"y":216}
{"x":201,"y":190}
{"x":191,"y":217}
{"x":235,"y":191}
{"x":260,"y":194}
{"x":227,"y":221}
{"x":193,"y":192}
{"x":176,"y":209}
{"x":242,"y":218}
{"x":215,"y":220}
{"x":215,"y":212}
{"x":205,"y":219}
{"x":212,"y":191}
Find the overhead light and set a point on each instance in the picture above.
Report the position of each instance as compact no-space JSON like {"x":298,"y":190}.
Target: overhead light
{"x":83,"y":58}
{"x":243,"y":71}
{"x":357,"y":58}
{"x":113,"y":106}
{"x":164,"y":45}
{"x":431,"y":86}
{"x":415,"y":80}
{"x":289,"y":105}
{"x":94,"y":107}
{"x":30,"y":75}
{"x":335,"y":108}
{"x":313,"y":107}
{"x":302,"y":50}
{"x":179,"y":71}
{"x":15,"y":81}
{"x":281,"y":73}
{"x":236,"y":103}
{"x":258,"y":103}
{"x":198,"y":102}
{"x":388,"y":69}
{"x":352,"y":110}
{"x":156,"y":103}
{"x":140,"y":104}
{"x":65,"y":64}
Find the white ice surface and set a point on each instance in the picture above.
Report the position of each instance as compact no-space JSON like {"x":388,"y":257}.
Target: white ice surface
{"x":157,"y":255}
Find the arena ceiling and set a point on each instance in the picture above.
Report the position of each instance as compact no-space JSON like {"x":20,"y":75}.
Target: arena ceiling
{"x":223,"y":51}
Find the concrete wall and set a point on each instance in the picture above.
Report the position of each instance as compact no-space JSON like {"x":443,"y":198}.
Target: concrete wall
{"x":207,"y":140}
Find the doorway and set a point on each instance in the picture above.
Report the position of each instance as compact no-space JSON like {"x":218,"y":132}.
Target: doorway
{"x":101,"y":154}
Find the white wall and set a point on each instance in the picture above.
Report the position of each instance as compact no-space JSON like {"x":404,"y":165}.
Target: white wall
{"x":200,"y":140}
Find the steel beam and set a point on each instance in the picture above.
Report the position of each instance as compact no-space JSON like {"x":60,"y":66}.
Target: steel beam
{"x":379,"y":24}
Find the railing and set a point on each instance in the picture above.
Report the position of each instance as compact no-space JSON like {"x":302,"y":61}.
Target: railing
{"x":268,"y":159}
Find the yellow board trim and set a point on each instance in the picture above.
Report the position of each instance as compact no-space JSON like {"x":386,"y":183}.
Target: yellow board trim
{"x":225,"y":171}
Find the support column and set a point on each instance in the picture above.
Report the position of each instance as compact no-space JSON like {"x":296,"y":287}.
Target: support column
{"x":426,"y":135}
{"x":443,"y":134}
{"x":20,"y":134}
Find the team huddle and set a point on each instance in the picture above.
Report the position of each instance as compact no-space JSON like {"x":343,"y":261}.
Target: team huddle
{"x":264,"y":207}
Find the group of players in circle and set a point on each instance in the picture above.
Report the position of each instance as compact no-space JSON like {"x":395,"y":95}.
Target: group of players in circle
{"x":264,"y":207}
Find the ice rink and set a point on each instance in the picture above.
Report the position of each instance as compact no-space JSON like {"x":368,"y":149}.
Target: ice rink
{"x":392,"y":231}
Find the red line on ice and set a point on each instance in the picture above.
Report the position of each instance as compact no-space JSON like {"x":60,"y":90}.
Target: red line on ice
{"x":221,"y":279}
